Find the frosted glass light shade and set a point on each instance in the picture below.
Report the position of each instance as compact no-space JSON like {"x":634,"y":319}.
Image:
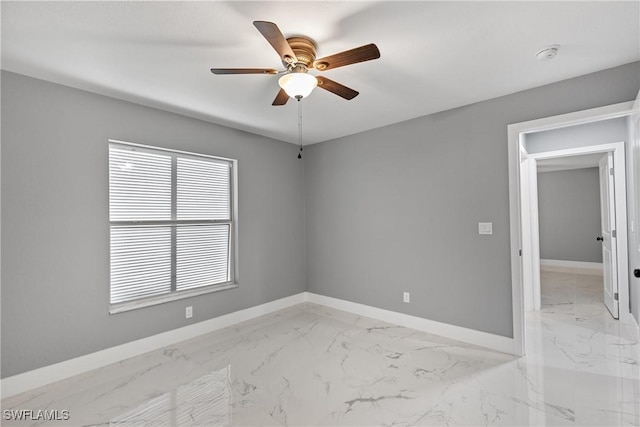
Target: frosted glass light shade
{"x":298,"y":84}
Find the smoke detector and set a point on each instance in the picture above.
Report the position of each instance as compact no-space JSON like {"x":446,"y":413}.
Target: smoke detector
{"x":548,"y":53}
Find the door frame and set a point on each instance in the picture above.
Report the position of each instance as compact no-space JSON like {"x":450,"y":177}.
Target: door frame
{"x":516,"y":151}
{"x":531,"y":284}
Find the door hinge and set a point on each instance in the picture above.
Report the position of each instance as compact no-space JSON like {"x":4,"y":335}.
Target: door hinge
{"x":611,"y":171}
{"x":615,"y":296}
{"x":613,"y":233}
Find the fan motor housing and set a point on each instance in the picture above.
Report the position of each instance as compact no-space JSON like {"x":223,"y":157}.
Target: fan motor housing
{"x":305,"y":50}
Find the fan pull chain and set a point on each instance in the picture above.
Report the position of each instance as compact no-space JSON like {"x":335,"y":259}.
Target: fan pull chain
{"x":299,"y":98}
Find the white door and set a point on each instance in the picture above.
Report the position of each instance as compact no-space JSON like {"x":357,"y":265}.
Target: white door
{"x":634,"y":255}
{"x":608,"y":236}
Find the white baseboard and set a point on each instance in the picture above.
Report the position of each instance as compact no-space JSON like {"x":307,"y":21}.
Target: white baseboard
{"x":20,"y":383}
{"x":572,"y":266}
{"x":471,"y":336}
{"x":26,"y":381}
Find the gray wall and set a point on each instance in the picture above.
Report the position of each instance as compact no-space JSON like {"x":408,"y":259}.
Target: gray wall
{"x":397,"y":208}
{"x":55,"y":225}
{"x":596,"y":133}
{"x":569,"y":215}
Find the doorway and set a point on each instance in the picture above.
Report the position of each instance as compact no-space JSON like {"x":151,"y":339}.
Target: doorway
{"x":582,"y":201}
{"x":525,"y":255}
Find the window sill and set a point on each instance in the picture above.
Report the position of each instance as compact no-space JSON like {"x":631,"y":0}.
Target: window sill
{"x":162,"y":299}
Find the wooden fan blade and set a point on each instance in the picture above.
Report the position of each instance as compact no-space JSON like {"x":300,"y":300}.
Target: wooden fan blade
{"x":348,"y":57}
{"x":274,"y":36}
{"x":243,"y":71}
{"x":281,"y":98}
{"x":337,"y":88}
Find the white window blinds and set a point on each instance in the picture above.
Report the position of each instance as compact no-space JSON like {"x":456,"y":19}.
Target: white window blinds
{"x":140,"y":262}
{"x":171,"y":222}
{"x":201,"y":255}
{"x":139,"y":185}
{"x":203,"y":189}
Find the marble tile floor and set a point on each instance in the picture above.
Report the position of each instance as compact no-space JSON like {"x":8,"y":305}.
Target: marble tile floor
{"x":312,"y":365}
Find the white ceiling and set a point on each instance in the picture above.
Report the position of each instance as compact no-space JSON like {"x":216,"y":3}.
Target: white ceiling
{"x":434,"y":55}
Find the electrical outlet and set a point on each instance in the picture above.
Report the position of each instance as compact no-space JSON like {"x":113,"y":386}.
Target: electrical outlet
{"x":188,"y":313}
{"x":406,"y":297}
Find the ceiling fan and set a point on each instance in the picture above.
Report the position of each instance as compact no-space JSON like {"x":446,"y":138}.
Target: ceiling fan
{"x":298,"y":55}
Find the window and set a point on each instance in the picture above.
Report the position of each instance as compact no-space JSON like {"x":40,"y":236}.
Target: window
{"x":172,"y":228}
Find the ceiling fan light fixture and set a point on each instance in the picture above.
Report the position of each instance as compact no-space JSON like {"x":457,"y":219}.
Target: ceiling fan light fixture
{"x":298,"y":84}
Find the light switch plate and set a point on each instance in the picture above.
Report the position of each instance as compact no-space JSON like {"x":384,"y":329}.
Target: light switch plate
{"x":485,"y":228}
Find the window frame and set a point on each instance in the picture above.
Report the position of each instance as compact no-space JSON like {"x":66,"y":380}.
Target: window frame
{"x":174,"y":294}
